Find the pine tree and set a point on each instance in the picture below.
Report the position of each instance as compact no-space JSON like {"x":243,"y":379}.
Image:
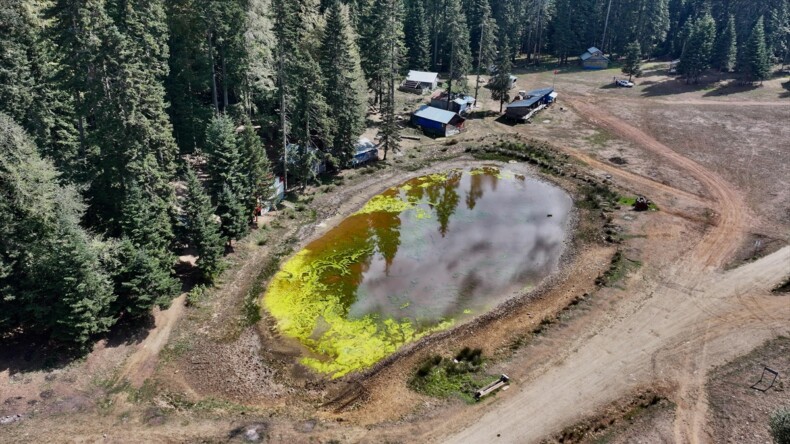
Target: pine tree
{"x":344,"y":86}
{"x":144,"y":277}
{"x":232,"y":214}
{"x":52,"y":278}
{"x":255,"y":169}
{"x":417,"y":34}
{"x":726,"y":52}
{"x":563,"y":36}
{"x":222,"y":156}
{"x":390,"y":41}
{"x":633,"y":59}
{"x":483,"y":30}
{"x":260,"y":44}
{"x":500,"y":83}
{"x":29,"y":92}
{"x":757,"y":64}
{"x":73,"y":272}
{"x":699,"y":45}
{"x":459,"y":54}
{"x":188,"y":83}
{"x":202,"y":230}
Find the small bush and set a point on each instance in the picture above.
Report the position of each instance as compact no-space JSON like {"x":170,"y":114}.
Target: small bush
{"x":780,"y":425}
{"x":196,"y":295}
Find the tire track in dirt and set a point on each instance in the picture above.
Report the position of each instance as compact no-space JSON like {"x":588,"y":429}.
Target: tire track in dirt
{"x":719,"y":243}
{"x":623,"y":355}
{"x":716,"y":247}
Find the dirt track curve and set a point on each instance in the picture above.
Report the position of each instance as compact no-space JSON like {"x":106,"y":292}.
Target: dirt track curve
{"x":672,"y":330}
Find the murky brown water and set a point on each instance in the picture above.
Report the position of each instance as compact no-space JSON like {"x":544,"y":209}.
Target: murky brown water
{"x":424,"y":254}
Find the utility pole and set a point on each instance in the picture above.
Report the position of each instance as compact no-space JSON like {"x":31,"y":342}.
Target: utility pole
{"x":479,"y":58}
{"x":605,"y":25}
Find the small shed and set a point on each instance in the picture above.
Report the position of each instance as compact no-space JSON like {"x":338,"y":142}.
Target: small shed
{"x":419,"y":82}
{"x":593,"y":58}
{"x":528,"y":102}
{"x":364,"y":151}
{"x":438,"y":122}
{"x":461,"y":103}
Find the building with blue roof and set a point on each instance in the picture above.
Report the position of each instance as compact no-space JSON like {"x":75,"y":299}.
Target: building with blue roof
{"x":527,"y":102}
{"x":438,"y":122}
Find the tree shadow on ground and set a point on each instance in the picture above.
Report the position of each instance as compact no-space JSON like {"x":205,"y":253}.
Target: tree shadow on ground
{"x":482,"y":114}
{"x":785,"y":85}
{"x":29,"y":352}
{"x":728,"y":89}
{"x":672,"y":87}
{"x":504,"y":120}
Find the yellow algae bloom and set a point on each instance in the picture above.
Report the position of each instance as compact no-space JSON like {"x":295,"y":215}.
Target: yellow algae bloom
{"x":385,"y":203}
{"x":308,"y":310}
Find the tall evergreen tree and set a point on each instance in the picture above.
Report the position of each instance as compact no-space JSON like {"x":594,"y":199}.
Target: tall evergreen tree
{"x":726,"y":52}
{"x":232,"y":214}
{"x":188,"y":83}
{"x":757,"y":66}
{"x":222,"y":156}
{"x":144,"y":277}
{"x":500,"y":83}
{"x":29,"y":91}
{"x":202,"y":230}
{"x":458,"y":52}
{"x":344,"y":84}
{"x":483,"y":30}
{"x":390,"y":40}
{"x":697,"y":52}
{"x":255,"y":169}
{"x":417,"y":32}
{"x":633,"y":60}
{"x":52,"y":278}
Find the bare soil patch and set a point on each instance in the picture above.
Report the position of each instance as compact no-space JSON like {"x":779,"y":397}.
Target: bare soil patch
{"x":740,"y":413}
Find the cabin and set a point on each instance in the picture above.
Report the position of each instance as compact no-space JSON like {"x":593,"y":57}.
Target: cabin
{"x":593,"y":58}
{"x":364,"y":151}
{"x":420,"y":82}
{"x":460,"y":104}
{"x":438,"y":122}
{"x":528,"y":103}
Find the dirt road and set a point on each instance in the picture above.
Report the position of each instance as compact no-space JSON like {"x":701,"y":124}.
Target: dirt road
{"x":142,"y":363}
{"x":673,"y":330}
{"x":701,"y":322}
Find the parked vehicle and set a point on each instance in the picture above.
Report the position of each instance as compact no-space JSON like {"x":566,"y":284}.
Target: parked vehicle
{"x":625,"y":83}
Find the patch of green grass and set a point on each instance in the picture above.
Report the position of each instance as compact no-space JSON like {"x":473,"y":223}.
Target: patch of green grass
{"x":197,"y":295}
{"x":626,"y":201}
{"x":251,"y":306}
{"x":445,"y":378}
{"x":595,"y":196}
{"x":175,"y":349}
{"x":618,"y":269}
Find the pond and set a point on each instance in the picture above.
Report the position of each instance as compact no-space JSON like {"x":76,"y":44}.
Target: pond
{"x":416,"y":259}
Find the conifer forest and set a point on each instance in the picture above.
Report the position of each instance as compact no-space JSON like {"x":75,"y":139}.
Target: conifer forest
{"x":109,"y":107}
